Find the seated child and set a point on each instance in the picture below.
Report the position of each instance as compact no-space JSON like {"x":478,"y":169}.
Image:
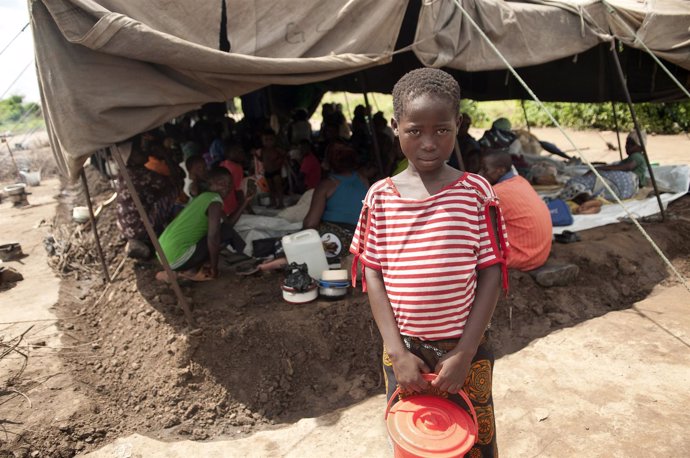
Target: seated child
{"x":194,"y":237}
{"x":310,"y":167}
{"x":429,"y":241}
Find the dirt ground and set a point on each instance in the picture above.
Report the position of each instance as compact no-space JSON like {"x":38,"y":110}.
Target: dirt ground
{"x":254,"y":362}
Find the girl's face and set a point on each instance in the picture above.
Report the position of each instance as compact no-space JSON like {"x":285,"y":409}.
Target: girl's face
{"x":427,"y":130}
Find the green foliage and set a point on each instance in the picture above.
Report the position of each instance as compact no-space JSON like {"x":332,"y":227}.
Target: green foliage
{"x":660,"y":118}
{"x":472,"y":108}
{"x":17,"y":115}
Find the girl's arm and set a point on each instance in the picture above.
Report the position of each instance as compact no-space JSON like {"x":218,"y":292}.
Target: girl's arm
{"x":452,"y":369}
{"x":407,"y":367}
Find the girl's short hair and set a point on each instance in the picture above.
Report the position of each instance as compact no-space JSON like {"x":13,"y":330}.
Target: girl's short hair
{"x":423,"y":81}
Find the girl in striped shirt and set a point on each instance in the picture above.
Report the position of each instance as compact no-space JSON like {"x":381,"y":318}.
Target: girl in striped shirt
{"x":433,"y":245}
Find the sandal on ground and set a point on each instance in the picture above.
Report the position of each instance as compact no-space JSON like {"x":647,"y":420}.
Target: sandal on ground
{"x":567,"y":237}
{"x":198,"y":276}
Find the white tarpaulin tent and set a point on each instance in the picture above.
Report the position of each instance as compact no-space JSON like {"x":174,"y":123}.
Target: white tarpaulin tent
{"x":109,"y":69}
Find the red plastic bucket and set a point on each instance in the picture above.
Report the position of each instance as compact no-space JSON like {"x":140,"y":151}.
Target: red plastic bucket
{"x":423,"y":425}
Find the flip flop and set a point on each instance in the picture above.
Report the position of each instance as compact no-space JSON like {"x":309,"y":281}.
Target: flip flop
{"x":199,"y":276}
{"x":567,"y":237}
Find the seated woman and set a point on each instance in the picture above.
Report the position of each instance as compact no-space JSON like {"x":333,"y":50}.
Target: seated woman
{"x":625,"y":177}
{"x":335,"y":205}
{"x":337,"y":200}
{"x":158,"y":194}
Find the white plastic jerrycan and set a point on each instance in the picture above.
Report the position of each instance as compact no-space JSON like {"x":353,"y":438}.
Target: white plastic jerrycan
{"x":306,"y":247}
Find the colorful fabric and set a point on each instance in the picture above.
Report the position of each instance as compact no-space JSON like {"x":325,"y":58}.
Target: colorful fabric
{"x":158,"y":194}
{"x":624,"y":184}
{"x":528,"y":222}
{"x":191,"y":225}
{"x":344,"y":205}
{"x":477,"y":386}
{"x":429,"y":251}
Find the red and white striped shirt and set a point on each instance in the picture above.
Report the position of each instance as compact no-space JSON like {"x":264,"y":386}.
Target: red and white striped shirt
{"x":429,"y":252}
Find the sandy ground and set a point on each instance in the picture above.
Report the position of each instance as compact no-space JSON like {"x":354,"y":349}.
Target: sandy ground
{"x":45,"y":381}
{"x":614,"y":386}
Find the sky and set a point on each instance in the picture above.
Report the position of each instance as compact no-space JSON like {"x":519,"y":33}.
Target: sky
{"x":14,"y":14}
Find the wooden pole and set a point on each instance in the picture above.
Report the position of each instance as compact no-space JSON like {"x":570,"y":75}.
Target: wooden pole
{"x":618,"y":130}
{"x":624,"y":85}
{"x":372,"y":130}
{"x":524,"y":111}
{"x":14,"y":162}
{"x":115,"y":150}
{"x":99,"y":249}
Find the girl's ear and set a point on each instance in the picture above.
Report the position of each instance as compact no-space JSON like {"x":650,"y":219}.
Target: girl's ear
{"x":394,"y":125}
{"x":458,"y":121}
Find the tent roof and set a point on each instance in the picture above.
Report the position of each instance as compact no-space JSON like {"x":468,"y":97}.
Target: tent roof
{"x":109,"y":69}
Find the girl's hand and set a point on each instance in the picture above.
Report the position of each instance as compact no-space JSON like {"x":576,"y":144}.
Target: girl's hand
{"x":408,"y":370}
{"x":452,"y":370}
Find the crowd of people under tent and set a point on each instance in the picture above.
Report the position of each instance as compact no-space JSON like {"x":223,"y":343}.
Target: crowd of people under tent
{"x":199,"y":174}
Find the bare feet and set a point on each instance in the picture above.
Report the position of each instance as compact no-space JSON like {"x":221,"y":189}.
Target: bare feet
{"x":163,"y":276}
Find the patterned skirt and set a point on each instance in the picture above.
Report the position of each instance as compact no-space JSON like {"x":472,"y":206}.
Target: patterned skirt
{"x":477,"y":386}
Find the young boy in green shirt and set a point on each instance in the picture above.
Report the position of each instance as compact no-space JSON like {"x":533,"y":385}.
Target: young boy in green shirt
{"x":193,"y":240}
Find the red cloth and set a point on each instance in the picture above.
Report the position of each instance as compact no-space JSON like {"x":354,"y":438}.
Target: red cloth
{"x":311,"y":169}
{"x":158,"y":165}
{"x":236,"y":171}
{"x":429,"y":251}
{"x":528,"y":221}
{"x":230,"y":203}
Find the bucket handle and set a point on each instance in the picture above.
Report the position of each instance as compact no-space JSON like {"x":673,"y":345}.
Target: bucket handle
{"x":431,"y":378}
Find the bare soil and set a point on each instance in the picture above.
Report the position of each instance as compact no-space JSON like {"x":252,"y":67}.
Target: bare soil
{"x":255,"y":361}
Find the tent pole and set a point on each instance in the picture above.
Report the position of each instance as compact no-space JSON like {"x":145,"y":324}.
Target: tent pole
{"x":618,"y":130}
{"x":14,"y":162}
{"x":524,"y":111}
{"x":377,"y":149}
{"x":99,"y":249}
{"x":115,"y":150}
{"x":633,"y":115}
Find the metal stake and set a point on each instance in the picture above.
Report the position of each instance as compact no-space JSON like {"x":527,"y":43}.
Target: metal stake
{"x":152,"y":235}
{"x":84,"y":182}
